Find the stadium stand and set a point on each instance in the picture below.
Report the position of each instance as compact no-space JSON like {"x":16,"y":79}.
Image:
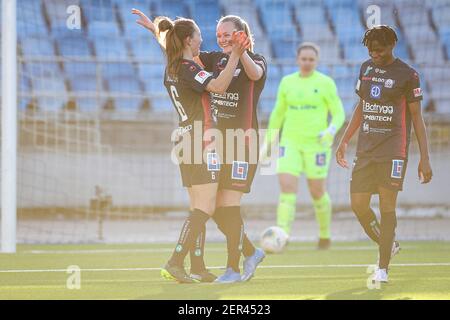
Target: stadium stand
{"x":93,"y":58}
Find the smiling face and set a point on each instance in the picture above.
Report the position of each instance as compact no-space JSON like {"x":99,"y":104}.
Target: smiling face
{"x":307,"y":61}
{"x":224,"y":32}
{"x":381,"y":55}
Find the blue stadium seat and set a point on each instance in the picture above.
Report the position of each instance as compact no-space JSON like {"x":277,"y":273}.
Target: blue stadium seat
{"x":146,"y":47}
{"x":155,"y":86}
{"x":98,"y":10}
{"x":127,"y":85}
{"x":75,"y":70}
{"x":171,"y":9}
{"x":310,"y":15}
{"x":30,"y":21}
{"x":56,"y":11}
{"x":42,"y":69}
{"x":85,"y":89}
{"x":103,"y":29}
{"x":70,"y":45}
{"x":110,"y":47}
{"x":148,"y":72}
{"x":162,"y":104}
{"x":37,"y":46}
{"x":131,"y":28}
{"x":285,"y":49}
{"x":121,"y":69}
{"x":355,"y":52}
{"x":43,"y":88}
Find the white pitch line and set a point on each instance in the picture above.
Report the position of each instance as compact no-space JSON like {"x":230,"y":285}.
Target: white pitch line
{"x":156,"y":250}
{"x":430,"y":264}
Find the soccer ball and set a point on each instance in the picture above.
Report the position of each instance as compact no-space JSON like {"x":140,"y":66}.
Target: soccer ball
{"x":274,"y":239}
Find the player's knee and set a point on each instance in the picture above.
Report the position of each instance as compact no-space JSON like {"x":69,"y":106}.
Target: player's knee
{"x":317,"y":192}
{"x":288,"y":187}
{"x":359,"y":208}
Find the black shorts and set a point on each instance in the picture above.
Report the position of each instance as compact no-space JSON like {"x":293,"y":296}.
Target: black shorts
{"x":369,"y":175}
{"x":195,"y":174}
{"x":237,"y":176}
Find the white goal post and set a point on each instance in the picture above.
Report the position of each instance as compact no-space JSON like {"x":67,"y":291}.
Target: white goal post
{"x":9,"y":128}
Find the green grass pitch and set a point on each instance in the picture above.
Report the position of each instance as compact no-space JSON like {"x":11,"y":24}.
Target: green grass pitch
{"x":420,"y":271}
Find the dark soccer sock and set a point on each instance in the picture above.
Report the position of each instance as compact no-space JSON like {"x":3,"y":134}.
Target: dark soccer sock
{"x":197,"y":253}
{"x":220,"y":217}
{"x":387,"y":228}
{"x":192,"y":227}
{"x":369,"y":222}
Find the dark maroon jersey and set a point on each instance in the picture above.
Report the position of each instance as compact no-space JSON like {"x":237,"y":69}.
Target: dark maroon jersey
{"x":235,"y":109}
{"x":386,"y":121}
{"x":189,"y":96}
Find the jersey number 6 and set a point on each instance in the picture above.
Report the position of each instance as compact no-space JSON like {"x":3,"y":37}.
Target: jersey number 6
{"x":178,"y":106}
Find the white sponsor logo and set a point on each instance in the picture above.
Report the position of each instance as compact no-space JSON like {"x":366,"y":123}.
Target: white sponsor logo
{"x":375,"y":79}
{"x":389,"y":83}
{"x":358,"y":84}
{"x":380,"y":71}
{"x":417,"y":92}
{"x":237,"y":72}
{"x":376,"y":108}
{"x":372,"y":117}
{"x":202,"y":76}
{"x":366,"y":129}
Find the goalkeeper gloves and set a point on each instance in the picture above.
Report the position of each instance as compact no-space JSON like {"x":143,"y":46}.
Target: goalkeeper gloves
{"x":326,"y":137}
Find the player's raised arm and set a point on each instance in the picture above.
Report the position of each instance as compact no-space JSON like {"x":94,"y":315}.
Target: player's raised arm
{"x":253,"y":70}
{"x":221,"y":83}
{"x":424,"y":170}
{"x":144,"y":21}
{"x":352,"y":127}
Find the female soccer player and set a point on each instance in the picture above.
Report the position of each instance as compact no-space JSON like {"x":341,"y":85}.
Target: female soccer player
{"x":304,"y":100}
{"x":236,"y":113}
{"x":390,"y":95}
{"x":188,"y":86}
{"x":236,"y":109}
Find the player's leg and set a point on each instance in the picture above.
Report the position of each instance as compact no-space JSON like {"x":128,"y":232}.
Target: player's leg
{"x":363,"y":184}
{"x":229,"y":220}
{"x":317,"y":164}
{"x":287,"y":202}
{"x":289,"y":168}
{"x":388,"y":202}
{"x":204,"y":196}
{"x":323,"y":209}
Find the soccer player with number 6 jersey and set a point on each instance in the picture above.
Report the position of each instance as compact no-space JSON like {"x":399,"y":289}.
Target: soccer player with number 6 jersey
{"x":389,"y":104}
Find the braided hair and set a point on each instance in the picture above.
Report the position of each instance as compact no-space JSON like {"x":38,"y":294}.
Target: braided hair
{"x":384,"y":34}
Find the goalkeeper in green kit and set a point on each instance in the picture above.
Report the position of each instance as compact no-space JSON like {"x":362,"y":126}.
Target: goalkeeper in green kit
{"x":304,"y":101}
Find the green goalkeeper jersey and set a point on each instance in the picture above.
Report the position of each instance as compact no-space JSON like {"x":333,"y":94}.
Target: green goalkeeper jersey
{"x":302,"y":108}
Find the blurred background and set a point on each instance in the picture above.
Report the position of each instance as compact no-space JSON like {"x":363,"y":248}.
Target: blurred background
{"x":95,"y":119}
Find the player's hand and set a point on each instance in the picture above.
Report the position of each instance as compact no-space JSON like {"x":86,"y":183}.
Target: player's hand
{"x":144,"y":20}
{"x":326,"y":137}
{"x":240,"y":42}
{"x":424,"y":171}
{"x":340,"y":155}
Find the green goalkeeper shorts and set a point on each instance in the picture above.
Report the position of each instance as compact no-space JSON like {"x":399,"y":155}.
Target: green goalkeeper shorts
{"x":295,"y":161}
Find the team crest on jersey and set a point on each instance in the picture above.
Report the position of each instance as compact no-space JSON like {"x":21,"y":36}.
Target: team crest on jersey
{"x":321,"y":159}
{"x":417,"y":92}
{"x":239,"y":170}
{"x":389,"y":83}
{"x":282,"y":151}
{"x":397,"y":169}
{"x":375,"y":91}
{"x":202,"y":76}
{"x":213,"y":161}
